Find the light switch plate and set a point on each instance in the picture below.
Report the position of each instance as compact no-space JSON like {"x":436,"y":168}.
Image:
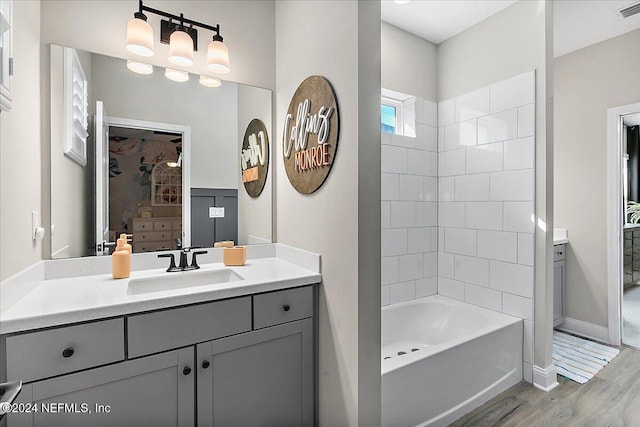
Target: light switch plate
{"x":215,"y":212}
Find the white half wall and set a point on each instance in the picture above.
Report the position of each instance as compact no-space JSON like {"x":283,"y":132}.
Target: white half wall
{"x":339,"y":40}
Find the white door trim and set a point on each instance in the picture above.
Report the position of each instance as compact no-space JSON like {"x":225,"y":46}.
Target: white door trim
{"x":186,"y":163}
{"x":614,"y":218}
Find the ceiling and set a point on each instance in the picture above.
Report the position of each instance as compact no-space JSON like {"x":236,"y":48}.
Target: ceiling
{"x":581,"y":23}
{"x":577,"y":23}
{"x":438,"y":20}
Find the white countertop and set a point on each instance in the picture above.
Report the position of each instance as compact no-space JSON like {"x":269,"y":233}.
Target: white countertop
{"x":560,"y":236}
{"x":66,"y":300}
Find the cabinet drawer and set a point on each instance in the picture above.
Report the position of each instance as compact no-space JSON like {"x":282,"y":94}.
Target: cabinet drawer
{"x":176,"y":225}
{"x":53,"y":352}
{"x":168,"y":329}
{"x":162,"y":226}
{"x":558,"y":252}
{"x":151,"y":246}
{"x":282,"y":306}
{"x":142,"y":225}
{"x":628,"y":241}
{"x":153,"y":236}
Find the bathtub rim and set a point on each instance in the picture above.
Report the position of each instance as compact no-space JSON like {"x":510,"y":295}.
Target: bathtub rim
{"x":503,"y":320}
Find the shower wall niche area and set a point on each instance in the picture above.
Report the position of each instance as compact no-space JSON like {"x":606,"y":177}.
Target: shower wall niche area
{"x":458,"y":203}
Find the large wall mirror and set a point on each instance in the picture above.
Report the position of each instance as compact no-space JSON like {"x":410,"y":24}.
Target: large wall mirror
{"x":150,"y":157}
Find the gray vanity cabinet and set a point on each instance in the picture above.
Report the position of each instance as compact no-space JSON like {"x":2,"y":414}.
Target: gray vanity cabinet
{"x":152,"y":391}
{"x":260,"y":378}
{"x":558,"y":284}
{"x":245,"y":361}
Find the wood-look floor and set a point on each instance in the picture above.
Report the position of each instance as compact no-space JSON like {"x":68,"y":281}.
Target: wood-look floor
{"x":611,"y":398}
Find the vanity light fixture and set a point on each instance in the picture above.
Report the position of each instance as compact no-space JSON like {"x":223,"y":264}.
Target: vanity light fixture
{"x":181,"y":47}
{"x":181,"y":36}
{"x":176,"y":75}
{"x":210,"y":81}
{"x":139,"y":39}
{"x":139,"y":67}
{"x":217,"y":56}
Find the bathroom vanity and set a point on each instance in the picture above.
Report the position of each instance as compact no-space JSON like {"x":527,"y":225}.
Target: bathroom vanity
{"x":236,"y":352}
{"x":558,"y":284}
{"x":560,"y":240}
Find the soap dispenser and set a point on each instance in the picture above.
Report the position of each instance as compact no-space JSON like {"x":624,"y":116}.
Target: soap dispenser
{"x":121,"y":261}
{"x":125,"y":238}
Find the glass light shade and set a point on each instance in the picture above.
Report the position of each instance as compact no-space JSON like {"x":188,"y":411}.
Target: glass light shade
{"x":181,"y":48}
{"x":139,"y":37}
{"x":210,"y":81}
{"x":176,"y":75}
{"x":218,"y":57}
{"x":139,"y":67}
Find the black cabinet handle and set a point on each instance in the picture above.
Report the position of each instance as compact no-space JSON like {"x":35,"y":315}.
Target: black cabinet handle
{"x":559,"y":253}
{"x":186,"y":370}
{"x":205,"y":364}
{"x":68,"y":352}
{"x":286,"y":307}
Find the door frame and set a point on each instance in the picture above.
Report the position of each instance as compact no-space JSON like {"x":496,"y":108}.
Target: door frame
{"x":614,"y":218}
{"x":186,"y":162}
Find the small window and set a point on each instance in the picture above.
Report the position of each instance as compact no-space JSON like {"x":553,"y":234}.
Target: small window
{"x":388,"y":119}
{"x":391,"y":116}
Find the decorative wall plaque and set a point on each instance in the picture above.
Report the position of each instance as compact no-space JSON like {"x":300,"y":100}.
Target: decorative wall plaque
{"x":254,"y":157}
{"x":311,"y":132}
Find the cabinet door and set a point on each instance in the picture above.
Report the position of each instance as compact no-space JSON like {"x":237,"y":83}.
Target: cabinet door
{"x":259,"y":378}
{"x":152,"y":391}
{"x":558,"y":292}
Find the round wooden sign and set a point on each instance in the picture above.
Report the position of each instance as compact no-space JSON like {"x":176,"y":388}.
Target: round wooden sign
{"x":254,"y":157}
{"x":311,"y":132}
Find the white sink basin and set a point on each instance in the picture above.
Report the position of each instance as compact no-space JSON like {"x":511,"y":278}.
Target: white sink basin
{"x":180,"y":280}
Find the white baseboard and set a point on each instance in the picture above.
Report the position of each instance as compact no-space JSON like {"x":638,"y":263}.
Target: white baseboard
{"x":585,"y":329}
{"x":545,"y":379}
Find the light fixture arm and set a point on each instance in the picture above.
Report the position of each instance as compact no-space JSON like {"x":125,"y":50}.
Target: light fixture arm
{"x":181,"y":18}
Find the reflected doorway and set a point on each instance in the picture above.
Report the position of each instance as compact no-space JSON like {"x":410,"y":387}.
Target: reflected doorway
{"x":630,"y":143}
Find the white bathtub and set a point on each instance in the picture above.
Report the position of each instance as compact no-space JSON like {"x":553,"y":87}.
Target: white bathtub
{"x":441,"y":358}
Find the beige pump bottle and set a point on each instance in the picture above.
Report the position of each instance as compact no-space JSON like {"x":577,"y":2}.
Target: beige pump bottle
{"x":121,"y":261}
{"x":126,"y":239}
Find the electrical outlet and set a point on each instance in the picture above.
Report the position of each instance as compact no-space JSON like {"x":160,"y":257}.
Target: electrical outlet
{"x":215,"y":212}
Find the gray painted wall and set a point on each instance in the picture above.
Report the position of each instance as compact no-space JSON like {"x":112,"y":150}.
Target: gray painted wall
{"x":211,"y":113}
{"x":341,"y":220}
{"x":587,"y":83}
{"x":101,"y":30}
{"x":254,"y":214}
{"x":408,"y":63}
{"x":20,"y":151}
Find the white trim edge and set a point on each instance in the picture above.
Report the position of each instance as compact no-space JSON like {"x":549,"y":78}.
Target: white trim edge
{"x":614,"y":220}
{"x":586,"y":329}
{"x":545,"y":379}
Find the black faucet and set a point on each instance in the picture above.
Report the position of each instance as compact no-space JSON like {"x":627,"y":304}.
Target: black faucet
{"x":184,"y":264}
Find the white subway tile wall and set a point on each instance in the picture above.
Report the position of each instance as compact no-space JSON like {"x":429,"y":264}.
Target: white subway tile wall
{"x":457,"y":203}
{"x":410,"y":209}
{"x":486,"y":194}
